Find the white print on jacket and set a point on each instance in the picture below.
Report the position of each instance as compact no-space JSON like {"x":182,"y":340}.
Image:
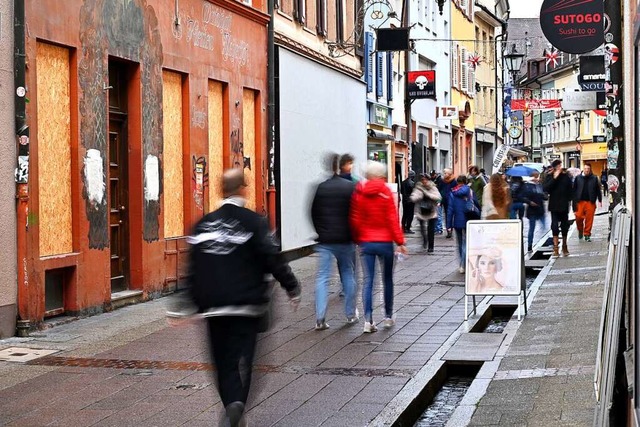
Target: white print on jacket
{"x":220,"y":238}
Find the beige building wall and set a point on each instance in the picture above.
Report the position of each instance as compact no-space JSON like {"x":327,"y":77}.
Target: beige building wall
{"x":8,"y":274}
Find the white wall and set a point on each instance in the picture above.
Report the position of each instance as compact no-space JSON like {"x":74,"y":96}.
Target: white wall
{"x":321,"y":110}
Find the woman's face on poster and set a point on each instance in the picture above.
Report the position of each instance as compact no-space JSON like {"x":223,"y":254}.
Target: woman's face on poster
{"x":487,"y":266}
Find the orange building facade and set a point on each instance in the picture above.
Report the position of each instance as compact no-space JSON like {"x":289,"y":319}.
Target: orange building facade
{"x":135,"y":108}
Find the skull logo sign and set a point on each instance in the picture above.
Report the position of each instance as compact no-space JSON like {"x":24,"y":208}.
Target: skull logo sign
{"x":422,"y":82}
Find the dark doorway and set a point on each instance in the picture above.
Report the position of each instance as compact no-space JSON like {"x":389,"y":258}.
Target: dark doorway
{"x":118,"y":176}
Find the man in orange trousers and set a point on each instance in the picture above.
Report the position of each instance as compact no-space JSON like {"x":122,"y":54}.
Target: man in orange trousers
{"x":586,"y":191}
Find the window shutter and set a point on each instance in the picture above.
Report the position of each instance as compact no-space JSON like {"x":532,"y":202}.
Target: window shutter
{"x":368,"y":61}
{"x":389,"y":76}
{"x":472,"y":80}
{"x":464,"y":70}
{"x":301,"y":11}
{"x":321,"y":17}
{"x":379,"y":72}
{"x":339,"y":20}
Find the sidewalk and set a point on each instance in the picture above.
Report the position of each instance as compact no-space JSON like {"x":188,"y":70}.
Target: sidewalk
{"x":129,"y":368}
{"x":546,"y":376}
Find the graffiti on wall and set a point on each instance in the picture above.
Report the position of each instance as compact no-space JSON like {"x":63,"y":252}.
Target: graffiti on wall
{"x":200,"y":180}
{"x":94,"y":177}
{"x":126,"y":29}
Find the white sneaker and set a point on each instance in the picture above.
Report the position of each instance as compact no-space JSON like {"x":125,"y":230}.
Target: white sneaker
{"x":369,"y":327}
{"x":321,"y":325}
{"x":388,"y":322}
{"x":461,"y":270}
{"x":353,"y":319}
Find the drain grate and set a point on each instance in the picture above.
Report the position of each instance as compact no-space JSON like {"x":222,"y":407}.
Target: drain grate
{"x":88,"y":362}
{"x":23,"y":354}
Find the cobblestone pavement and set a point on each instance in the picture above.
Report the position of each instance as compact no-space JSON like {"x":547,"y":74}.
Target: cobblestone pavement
{"x":128,"y":367}
{"x":546,"y":376}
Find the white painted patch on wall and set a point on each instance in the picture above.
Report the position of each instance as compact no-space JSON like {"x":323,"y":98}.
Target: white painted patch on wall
{"x":94,"y":176}
{"x":151,"y":179}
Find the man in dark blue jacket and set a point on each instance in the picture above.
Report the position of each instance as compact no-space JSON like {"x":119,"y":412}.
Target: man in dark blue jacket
{"x":330,"y":217}
{"x":232,"y":252}
{"x":560,"y":189}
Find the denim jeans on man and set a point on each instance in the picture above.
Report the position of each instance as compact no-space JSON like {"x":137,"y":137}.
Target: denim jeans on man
{"x":345,"y":255}
{"x":439,"y":222}
{"x":461,"y":242}
{"x":369,"y":252}
{"x":517,"y":210}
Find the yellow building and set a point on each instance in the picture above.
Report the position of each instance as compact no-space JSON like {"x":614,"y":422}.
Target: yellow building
{"x":463,"y":83}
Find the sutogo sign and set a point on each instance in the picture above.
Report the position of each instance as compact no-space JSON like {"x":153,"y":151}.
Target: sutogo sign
{"x":573,"y":26}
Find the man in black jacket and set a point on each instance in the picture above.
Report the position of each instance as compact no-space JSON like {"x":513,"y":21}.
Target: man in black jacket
{"x":408,"y":207}
{"x":560,"y":189}
{"x":330,"y":217}
{"x":587,"y":191}
{"x":232,"y":252}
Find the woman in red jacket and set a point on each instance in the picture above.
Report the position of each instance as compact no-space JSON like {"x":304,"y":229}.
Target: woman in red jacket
{"x":375,"y":227}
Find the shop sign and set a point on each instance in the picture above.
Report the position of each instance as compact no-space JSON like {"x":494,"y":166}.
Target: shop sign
{"x":599,"y":138}
{"x":534,"y":104}
{"x":574,"y":155}
{"x":573,"y":26}
{"x":448,"y":112}
{"x":421,"y":84}
{"x":554,"y":156}
{"x":381,"y":115}
{"x":579,"y":101}
{"x":592,"y":75}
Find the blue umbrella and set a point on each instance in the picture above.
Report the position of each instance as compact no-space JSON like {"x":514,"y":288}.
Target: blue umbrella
{"x":520,"y":171}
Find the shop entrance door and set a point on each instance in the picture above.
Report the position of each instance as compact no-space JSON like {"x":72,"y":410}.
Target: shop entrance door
{"x":118,"y":178}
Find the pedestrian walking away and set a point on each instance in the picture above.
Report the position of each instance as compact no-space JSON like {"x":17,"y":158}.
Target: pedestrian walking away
{"x":517,"y":197}
{"x":232,"y":253}
{"x":604,"y":178}
{"x":437,"y":179}
{"x":534,"y":197}
{"x":375,"y":228}
{"x":477,"y":183}
{"x":496,"y":199}
{"x":560,"y":189}
{"x":406,"y":188}
{"x":457,"y":216}
{"x":446,"y":185}
{"x":586,"y":192}
{"x":426,"y":197}
{"x":330,"y":218}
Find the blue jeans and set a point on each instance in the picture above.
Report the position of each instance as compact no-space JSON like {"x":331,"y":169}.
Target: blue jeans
{"x":369,"y":252}
{"x":532,"y":228}
{"x":517,"y":210}
{"x":439,"y":222}
{"x":461,"y":240}
{"x":345,"y":254}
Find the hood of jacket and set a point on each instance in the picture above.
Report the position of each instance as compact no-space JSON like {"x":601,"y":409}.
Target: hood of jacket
{"x":372,"y":188}
{"x":447,"y":180}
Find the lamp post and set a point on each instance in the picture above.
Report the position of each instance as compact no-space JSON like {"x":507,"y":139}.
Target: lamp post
{"x":513,"y":62}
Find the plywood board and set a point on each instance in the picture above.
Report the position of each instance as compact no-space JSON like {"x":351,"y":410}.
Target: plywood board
{"x":249,"y":144}
{"x":54,"y":149}
{"x":216,"y":141}
{"x":172,"y":154}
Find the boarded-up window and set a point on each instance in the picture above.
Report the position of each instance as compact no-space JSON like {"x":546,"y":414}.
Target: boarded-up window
{"x":173,"y":177}
{"x":54,"y":149}
{"x":249,"y":144}
{"x":216,"y":138}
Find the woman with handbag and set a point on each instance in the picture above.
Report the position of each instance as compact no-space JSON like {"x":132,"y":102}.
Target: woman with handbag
{"x":462,"y":208}
{"x":426,"y":197}
{"x":496,"y":199}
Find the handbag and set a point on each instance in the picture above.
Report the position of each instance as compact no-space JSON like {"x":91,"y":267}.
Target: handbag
{"x":427,"y":207}
{"x":471,"y":208}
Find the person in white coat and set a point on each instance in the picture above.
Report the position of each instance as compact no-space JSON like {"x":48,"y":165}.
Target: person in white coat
{"x":426,"y":197}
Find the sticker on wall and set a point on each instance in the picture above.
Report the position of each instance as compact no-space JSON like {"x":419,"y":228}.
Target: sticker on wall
{"x":22,"y":171}
{"x":94,"y":177}
{"x":151,"y":179}
{"x":611,"y":53}
{"x":613,"y":183}
{"x":612,"y":157}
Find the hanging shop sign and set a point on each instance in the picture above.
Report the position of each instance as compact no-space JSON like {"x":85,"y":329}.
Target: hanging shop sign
{"x":421,"y":84}
{"x":579,"y":101}
{"x":535,"y":104}
{"x":592,"y":75}
{"x":392,"y":39}
{"x":448,"y":112}
{"x":380,"y":115}
{"x":573,"y":26}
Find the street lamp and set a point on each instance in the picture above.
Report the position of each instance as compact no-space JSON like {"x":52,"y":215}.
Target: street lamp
{"x":513,"y":61}
{"x":441,"y":5}
{"x":578,"y":118}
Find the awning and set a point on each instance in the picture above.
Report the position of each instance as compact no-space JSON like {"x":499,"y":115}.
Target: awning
{"x":376,"y":134}
{"x":517,"y":153}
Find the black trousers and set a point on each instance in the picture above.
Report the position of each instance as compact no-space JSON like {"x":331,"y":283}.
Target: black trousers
{"x":233,"y":345}
{"x":407,"y":215}
{"x":560,"y":222}
{"x":428,"y":234}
